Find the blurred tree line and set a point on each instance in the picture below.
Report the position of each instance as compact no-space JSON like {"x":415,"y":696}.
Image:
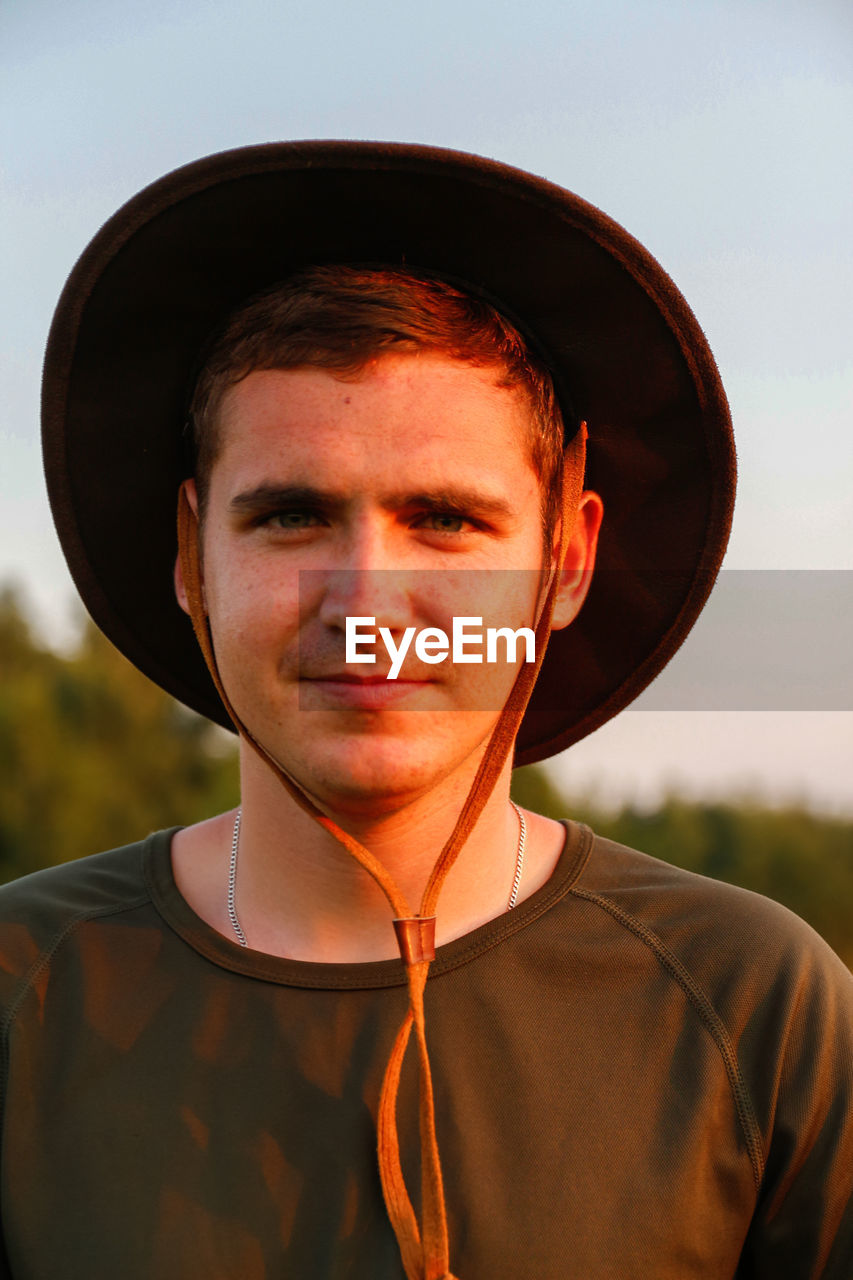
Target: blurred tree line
{"x":93,"y":755}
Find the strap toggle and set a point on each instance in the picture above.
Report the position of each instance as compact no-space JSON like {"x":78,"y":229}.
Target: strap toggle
{"x":416,"y":938}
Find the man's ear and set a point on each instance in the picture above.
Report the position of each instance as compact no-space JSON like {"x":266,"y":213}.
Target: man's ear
{"x":579,"y":562}
{"x":189,"y":489}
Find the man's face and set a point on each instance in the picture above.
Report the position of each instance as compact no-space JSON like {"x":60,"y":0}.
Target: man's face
{"x":368,"y":497}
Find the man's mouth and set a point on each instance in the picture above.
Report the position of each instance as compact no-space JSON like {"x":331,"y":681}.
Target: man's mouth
{"x":359,"y":692}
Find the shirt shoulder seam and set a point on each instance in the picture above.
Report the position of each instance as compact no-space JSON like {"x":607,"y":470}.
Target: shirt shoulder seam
{"x":708,"y":1015}
{"x":49,"y":951}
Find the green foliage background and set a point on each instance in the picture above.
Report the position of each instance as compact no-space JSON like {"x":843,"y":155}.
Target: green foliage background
{"x":93,"y":755}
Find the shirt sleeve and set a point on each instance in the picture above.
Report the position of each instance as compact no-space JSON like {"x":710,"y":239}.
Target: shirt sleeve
{"x":803,"y":1081}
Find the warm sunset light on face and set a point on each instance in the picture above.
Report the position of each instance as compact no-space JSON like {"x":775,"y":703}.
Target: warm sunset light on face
{"x":407,"y":490}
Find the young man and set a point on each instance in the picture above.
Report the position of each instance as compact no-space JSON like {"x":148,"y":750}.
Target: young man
{"x":608,"y":1068}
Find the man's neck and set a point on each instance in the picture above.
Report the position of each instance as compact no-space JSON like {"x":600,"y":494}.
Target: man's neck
{"x":300,"y":894}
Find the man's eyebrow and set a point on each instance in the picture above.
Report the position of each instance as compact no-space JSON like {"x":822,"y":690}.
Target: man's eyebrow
{"x":264,"y":497}
{"x":450,"y":498}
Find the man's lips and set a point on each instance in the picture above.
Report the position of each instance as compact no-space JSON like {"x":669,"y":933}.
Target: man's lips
{"x":343,"y":688}
{"x":348,"y":677}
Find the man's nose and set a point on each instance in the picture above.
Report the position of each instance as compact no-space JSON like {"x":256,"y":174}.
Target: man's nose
{"x":381,"y":594}
{"x":366,"y":581}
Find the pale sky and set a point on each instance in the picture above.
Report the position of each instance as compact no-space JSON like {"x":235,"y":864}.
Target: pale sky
{"x":720,"y":134}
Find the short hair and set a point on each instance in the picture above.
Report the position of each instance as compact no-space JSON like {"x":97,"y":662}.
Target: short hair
{"x":341,"y":317}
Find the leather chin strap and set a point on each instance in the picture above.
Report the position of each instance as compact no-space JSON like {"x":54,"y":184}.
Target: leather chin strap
{"x":424,"y":1247}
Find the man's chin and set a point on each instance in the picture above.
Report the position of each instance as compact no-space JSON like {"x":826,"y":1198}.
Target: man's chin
{"x":339,"y":792}
{"x":376,"y":781}
{"x":350,"y":768}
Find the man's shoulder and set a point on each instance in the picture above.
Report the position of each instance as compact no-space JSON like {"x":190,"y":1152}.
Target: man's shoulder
{"x":86,"y":884}
{"x":38,"y":910}
{"x":707,"y":930}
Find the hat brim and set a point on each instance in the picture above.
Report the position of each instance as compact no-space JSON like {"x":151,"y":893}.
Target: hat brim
{"x":175,"y":260}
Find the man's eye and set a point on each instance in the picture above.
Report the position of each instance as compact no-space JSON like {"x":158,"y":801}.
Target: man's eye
{"x":443,"y":522}
{"x":293,"y":519}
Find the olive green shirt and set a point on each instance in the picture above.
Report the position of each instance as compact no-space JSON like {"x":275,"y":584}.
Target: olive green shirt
{"x":639,"y":1073}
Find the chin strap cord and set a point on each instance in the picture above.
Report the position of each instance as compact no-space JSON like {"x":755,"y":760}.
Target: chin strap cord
{"x":424,"y":1249}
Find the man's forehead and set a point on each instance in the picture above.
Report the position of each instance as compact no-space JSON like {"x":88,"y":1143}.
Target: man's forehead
{"x":413,"y":405}
{"x":390,"y":372}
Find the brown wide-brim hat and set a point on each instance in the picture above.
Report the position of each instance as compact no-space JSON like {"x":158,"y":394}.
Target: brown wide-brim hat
{"x":166,"y":270}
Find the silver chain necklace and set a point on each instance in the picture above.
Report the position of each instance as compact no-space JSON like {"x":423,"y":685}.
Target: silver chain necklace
{"x":232,"y":882}
{"x":519,"y":857}
{"x":235,"y":848}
